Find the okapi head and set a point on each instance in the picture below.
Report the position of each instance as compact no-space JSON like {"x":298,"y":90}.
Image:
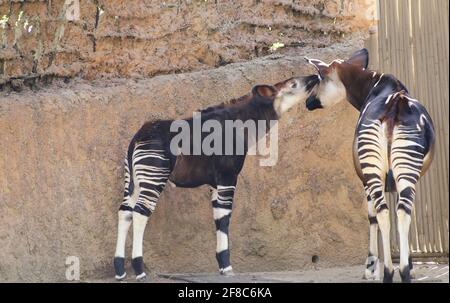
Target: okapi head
{"x":279,"y":97}
{"x":331,"y":89}
{"x":290,"y":92}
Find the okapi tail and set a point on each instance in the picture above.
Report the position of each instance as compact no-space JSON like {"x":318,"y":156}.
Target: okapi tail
{"x":398,"y":109}
{"x":390,"y":182}
{"x":130,"y":165}
{"x":395,"y":105}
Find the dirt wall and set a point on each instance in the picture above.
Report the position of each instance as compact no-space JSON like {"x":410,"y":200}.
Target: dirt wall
{"x":61,"y":179}
{"x":92,"y":39}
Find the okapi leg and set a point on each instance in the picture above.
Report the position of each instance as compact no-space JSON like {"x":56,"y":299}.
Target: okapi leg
{"x":404,"y":221}
{"x":222,"y":202}
{"x":125,"y":215}
{"x":372,"y":271}
{"x":372,"y":155}
{"x":152,"y":171}
{"x":404,"y":207}
{"x":412,"y":272}
{"x":377,"y":194}
{"x":385,"y":228}
{"x":407,"y":155}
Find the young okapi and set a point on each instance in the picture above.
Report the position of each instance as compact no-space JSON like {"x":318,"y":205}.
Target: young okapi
{"x":393,"y":147}
{"x":150,"y":164}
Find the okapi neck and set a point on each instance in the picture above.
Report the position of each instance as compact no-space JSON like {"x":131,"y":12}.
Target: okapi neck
{"x":358,"y":84}
{"x":261,"y":112}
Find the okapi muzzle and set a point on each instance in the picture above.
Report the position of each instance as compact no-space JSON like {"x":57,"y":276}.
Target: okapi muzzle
{"x":310,"y":83}
{"x":330,"y":89}
{"x":312,"y":103}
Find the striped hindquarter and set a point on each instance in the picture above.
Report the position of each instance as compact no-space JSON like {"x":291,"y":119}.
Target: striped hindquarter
{"x":147,"y":171}
{"x":151,"y":170}
{"x":409,"y":152}
{"x":391,"y":152}
{"x":373,"y":160}
{"x":372,"y":154}
{"x":407,"y":159}
{"x":146,"y":174}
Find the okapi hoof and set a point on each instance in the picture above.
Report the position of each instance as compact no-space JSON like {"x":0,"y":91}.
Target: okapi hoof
{"x":122,"y":277}
{"x":412,"y":273}
{"x":371,"y":275}
{"x":142,"y":277}
{"x":119,"y":267}
{"x":388,"y":275}
{"x":138,"y":267}
{"x":405,"y":275}
{"x":228,"y":272}
{"x":372,"y":271}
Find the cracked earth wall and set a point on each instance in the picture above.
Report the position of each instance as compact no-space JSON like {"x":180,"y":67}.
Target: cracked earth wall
{"x":42,"y":40}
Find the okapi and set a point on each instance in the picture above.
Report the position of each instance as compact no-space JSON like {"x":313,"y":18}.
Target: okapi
{"x":393,"y":147}
{"x":150,"y":164}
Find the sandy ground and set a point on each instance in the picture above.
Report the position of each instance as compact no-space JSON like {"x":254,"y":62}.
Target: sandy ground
{"x":425,"y":273}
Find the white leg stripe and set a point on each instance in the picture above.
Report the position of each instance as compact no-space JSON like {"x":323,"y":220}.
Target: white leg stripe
{"x":404,"y":221}
{"x":222,"y":241}
{"x":139,"y":223}
{"x":219,"y":213}
{"x":385,"y":227}
{"x":222,"y":187}
{"x":122,"y":231}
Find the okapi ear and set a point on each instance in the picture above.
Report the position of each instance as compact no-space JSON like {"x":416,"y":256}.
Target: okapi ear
{"x":321,"y":66}
{"x":265,"y":91}
{"x":360,"y":58}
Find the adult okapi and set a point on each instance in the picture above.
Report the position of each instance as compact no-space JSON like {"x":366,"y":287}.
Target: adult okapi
{"x":151,"y":163}
{"x":393,"y":146}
